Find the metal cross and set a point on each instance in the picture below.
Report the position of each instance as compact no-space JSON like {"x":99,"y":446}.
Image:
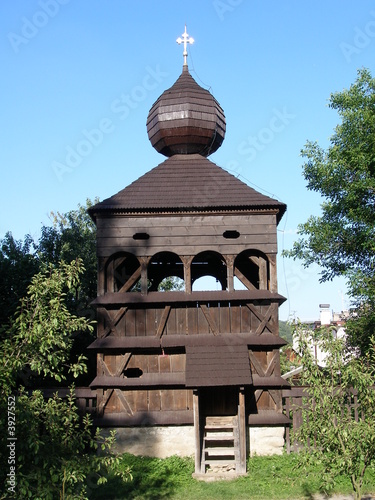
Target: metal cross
{"x":186,"y":39}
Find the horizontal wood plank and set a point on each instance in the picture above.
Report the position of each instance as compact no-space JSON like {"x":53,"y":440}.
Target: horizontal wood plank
{"x":141,"y":223}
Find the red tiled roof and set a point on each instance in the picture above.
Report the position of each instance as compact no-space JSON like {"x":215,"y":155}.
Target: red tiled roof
{"x":187,"y":182}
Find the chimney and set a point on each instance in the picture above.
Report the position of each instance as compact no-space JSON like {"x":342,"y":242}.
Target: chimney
{"x":325,"y":314}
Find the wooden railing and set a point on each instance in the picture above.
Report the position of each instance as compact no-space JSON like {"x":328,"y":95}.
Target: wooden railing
{"x":85,"y":397}
{"x":294,"y":401}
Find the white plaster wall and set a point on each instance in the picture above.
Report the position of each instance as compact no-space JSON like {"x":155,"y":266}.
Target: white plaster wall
{"x":162,"y":442}
{"x":266,"y":440}
{"x":158,"y":442}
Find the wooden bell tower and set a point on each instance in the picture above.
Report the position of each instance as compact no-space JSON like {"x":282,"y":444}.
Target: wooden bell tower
{"x":208,"y":359}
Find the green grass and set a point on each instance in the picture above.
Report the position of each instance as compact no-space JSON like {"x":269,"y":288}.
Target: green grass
{"x":275,"y":477}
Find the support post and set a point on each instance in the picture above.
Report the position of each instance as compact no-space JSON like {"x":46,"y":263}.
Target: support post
{"x":197,"y":432}
{"x":273,"y":273}
{"x":187,"y":273}
{"x":144,"y":284}
{"x":242,"y":429}
{"x":230,"y":278}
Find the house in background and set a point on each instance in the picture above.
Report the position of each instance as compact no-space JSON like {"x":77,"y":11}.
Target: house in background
{"x":327,"y":318}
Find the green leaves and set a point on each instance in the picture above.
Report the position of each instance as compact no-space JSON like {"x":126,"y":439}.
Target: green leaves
{"x":342,"y":239}
{"x":41,"y":336}
{"x":56,"y":450}
{"x":345,"y":177}
{"x":339,"y":416}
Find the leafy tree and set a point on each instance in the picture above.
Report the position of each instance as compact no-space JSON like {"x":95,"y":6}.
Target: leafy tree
{"x":338,"y":426}
{"x":342,"y":239}
{"x":55,"y":450}
{"x":18,"y":264}
{"x":40,"y":337}
{"x":286,"y":331}
{"x":71,"y":236}
{"x":172,"y":283}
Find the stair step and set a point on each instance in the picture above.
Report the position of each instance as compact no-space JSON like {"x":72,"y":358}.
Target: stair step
{"x":221,"y":463}
{"x":221,"y":420}
{"x":219,"y":426}
{"x":221,"y":451}
{"x":220,"y":444}
{"x":219,"y":438}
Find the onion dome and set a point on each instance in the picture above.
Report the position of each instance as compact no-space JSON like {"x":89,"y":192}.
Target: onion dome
{"x":186,"y":119}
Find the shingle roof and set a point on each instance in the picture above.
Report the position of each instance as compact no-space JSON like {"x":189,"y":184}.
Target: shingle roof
{"x":187,"y":182}
{"x":223,"y":362}
{"x":186,"y":119}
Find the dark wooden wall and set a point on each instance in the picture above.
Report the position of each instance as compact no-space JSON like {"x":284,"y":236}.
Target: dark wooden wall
{"x":186,"y":235}
{"x":156,"y":391}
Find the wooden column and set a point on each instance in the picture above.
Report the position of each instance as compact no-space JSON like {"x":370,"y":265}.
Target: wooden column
{"x":273,"y":273}
{"x":229,"y":259}
{"x":101,"y":275}
{"x":187,"y":260}
{"x":144,"y":262}
{"x":197,"y":432}
{"x":263,"y":274}
{"x":242,"y":429}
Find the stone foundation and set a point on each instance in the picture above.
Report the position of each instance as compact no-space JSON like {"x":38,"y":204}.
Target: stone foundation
{"x":266,"y":440}
{"x":160,"y":442}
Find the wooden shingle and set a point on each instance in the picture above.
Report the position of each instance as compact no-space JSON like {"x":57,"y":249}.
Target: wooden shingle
{"x":187,"y":182}
{"x":218,"y":363}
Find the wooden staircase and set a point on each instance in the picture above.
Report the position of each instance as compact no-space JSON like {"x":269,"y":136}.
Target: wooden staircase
{"x":221,"y":445}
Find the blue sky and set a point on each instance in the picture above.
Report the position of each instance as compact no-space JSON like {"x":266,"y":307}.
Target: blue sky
{"x":79,"y":77}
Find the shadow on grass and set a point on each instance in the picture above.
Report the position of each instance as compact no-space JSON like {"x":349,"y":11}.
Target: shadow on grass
{"x":153,"y":479}
{"x":308,"y":491}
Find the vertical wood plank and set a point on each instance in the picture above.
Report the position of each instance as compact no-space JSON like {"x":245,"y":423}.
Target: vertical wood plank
{"x":245,"y":319}
{"x":235,"y":319}
{"x":153,"y":363}
{"x":242,"y":429}
{"x":170,"y":326}
{"x":287,"y":429}
{"x":197,"y":432}
{"x":192,"y":319}
{"x":101,"y":288}
{"x":263,"y":274}
{"x":224,"y":318}
{"x":230,"y":272}
{"x":144,"y":262}
{"x":167,"y":400}
{"x":180,"y":320}
{"x":164,"y":363}
{"x":154,"y":400}
{"x":140,"y":398}
{"x":109,"y":277}
{"x":140,"y":322}
{"x":273,"y":273}
{"x":189,"y":399}
{"x":130,"y":323}
{"x":150,"y":322}
{"x":178,"y":363}
{"x":203,"y":326}
{"x":179,"y":399}
{"x":187,"y":273}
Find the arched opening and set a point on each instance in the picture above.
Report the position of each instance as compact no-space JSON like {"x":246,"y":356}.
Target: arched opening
{"x":165,"y":272}
{"x":251,"y":268}
{"x":122,"y":273}
{"x":206,"y":283}
{"x":209,"y":265}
